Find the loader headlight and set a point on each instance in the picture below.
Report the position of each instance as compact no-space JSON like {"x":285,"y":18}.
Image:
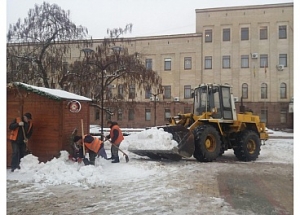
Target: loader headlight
{"x":214,"y":110}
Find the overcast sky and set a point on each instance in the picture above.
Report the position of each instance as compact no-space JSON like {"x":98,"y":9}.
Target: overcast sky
{"x":149,"y":17}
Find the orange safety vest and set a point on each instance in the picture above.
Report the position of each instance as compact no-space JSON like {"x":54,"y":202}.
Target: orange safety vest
{"x":14,"y":133}
{"x":120,"y":137}
{"x":94,"y":145}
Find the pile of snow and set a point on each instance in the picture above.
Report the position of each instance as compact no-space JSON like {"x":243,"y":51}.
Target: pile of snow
{"x":63,"y":171}
{"x":151,"y":139}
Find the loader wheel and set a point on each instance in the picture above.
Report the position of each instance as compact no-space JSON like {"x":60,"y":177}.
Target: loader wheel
{"x":248,"y":148}
{"x":207,"y":143}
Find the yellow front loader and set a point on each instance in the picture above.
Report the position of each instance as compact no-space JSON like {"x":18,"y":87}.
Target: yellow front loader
{"x":212,"y":128}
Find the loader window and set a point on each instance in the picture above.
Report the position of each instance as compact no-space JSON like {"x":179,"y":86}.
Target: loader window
{"x":200,"y":101}
{"x":227,"y":111}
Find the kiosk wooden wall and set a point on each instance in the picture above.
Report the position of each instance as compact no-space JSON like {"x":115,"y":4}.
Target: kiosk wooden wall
{"x":53,"y":122}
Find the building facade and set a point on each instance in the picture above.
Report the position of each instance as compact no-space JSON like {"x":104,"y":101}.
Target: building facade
{"x":248,"y":47}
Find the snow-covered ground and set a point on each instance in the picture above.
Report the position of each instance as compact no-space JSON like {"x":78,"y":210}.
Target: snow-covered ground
{"x":152,"y":178}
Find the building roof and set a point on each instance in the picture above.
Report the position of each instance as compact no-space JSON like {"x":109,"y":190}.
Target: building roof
{"x":51,"y":93}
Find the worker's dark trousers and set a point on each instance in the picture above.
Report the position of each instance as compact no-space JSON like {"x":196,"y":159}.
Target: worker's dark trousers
{"x":92,"y":156}
{"x":114,"y":151}
{"x":18,"y":152}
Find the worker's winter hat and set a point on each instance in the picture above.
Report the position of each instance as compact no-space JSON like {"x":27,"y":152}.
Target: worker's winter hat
{"x":28,"y":115}
{"x":88,"y":139}
{"x":76,"y":138}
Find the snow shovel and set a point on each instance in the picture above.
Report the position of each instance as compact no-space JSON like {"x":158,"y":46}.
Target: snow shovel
{"x":82,"y":134}
{"x":124,"y":154}
{"x":25,"y":141}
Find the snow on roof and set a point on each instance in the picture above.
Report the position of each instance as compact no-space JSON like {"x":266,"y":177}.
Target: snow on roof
{"x":52,"y":93}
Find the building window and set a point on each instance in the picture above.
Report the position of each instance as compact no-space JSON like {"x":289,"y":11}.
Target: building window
{"x":263,"y":33}
{"x":167,"y":114}
{"x":264,"y":91}
{"x":131,"y":92}
{"x":167,"y":64}
{"x":108,"y":94}
{"x":97,"y":114}
{"x":208,"y":62}
{"x":120,"y":115}
{"x":283,"y":91}
{"x":282,"y":32}
{"x":244,"y":33}
{"x":283,"y":59}
{"x":187,"y":63}
{"x":245,"y":91}
{"x":282,"y":116}
{"x":108,"y":114}
{"x":65,"y":66}
{"x":187,"y":91}
{"x":148,"y":64}
{"x":208,"y":36}
{"x":187,"y":110}
{"x":226,"y":62}
{"x":264,"y":116}
{"x":263,"y":61}
{"x":147,"y":114}
{"x":130,"y":114}
{"x":226,"y":34}
{"x":245,"y":61}
{"x":148,"y":93}
{"x":167,"y":92}
{"x":120,"y":91}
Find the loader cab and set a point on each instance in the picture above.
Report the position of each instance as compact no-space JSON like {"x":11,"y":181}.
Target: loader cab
{"x":213,"y":98}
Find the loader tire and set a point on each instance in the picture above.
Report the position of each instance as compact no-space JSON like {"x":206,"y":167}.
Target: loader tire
{"x":207,"y":143}
{"x":248,"y":146}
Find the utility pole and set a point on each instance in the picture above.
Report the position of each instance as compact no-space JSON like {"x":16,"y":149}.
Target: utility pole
{"x":155,"y":96}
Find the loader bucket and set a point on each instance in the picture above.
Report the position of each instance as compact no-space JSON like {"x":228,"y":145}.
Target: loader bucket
{"x":182,"y":135}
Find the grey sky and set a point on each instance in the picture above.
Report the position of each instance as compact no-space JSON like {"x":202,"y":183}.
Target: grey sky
{"x":149,"y":17}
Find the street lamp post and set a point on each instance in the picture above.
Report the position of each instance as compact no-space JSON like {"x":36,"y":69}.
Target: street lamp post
{"x":155,"y":96}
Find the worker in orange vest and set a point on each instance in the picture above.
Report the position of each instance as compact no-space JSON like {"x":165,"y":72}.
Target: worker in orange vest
{"x":116,"y":137}
{"x":93,"y":145}
{"x":21,"y":131}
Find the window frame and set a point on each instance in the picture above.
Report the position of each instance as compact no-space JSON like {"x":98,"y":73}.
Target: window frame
{"x":148,"y":63}
{"x":120,"y":115}
{"x":167,"y":64}
{"x":245,"y":91}
{"x":244,"y":33}
{"x":263,"y":33}
{"x":226,"y":34}
{"x":131,"y":94}
{"x":282,"y":32}
{"x":130,"y":114}
{"x":283,"y":59}
{"x":147,"y":114}
{"x":187,"y":91}
{"x":208,"y":62}
{"x":226,"y":61}
{"x":167,"y":92}
{"x":208,"y":36}
{"x":264,"y":91}
{"x":263,"y":63}
{"x":187,"y":63}
{"x":167,"y":114}
{"x":244,"y":61}
{"x":283,"y":90}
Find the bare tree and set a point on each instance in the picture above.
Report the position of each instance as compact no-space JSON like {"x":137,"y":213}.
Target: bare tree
{"x":34,"y":46}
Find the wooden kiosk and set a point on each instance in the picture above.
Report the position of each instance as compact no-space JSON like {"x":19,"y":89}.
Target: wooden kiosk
{"x":55,"y":115}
